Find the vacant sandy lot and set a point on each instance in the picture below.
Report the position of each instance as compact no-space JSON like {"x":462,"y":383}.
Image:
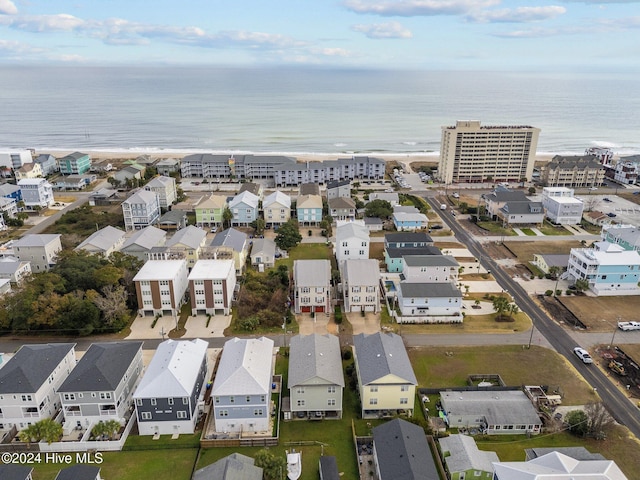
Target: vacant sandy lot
{"x":601,"y":313}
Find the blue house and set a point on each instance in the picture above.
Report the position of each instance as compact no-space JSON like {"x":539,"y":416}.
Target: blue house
{"x":9,"y":190}
{"x":241,"y":391}
{"x":409,"y":218}
{"x":244,"y":207}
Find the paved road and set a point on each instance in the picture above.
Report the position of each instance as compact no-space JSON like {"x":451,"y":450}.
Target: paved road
{"x":618,"y":404}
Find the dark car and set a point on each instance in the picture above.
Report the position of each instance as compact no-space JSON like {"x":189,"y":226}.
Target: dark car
{"x":611,"y":215}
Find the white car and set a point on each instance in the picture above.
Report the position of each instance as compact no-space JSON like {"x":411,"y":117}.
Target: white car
{"x":583,"y":355}
{"x":593,"y":188}
{"x":629,"y":326}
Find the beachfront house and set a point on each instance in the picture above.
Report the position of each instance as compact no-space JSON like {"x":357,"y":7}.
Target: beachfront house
{"x":75,"y":163}
{"x":141,"y":210}
{"x":165,"y":187}
{"x":315,"y":377}
{"x":276,"y":209}
{"x":211,"y":286}
{"x":168,"y":398}
{"x":39,"y":249}
{"x":100,"y":386}
{"x":29,"y":381}
{"x":241,"y":391}
{"x":312,"y":286}
{"x":160,"y":287}
{"x":361,"y":285}
{"x":244,"y":207}
{"x":386,"y":381}
{"x":29,"y":170}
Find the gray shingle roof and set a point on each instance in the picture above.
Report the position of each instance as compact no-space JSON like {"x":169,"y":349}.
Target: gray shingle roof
{"x":78,"y":472}
{"x":407,"y":237}
{"x":361,"y":272}
{"x":507,"y":196}
{"x":266,"y":246}
{"x":191,"y":237}
{"x":465,"y":455}
{"x":245,"y":367}
{"x":403,"y":251}
{"x":436,"y":290}
{"x":233,"y":467}
{"x":523,"y":208}
{"x":382,"y":354}
{"x":102,"y":367}
{"x":36,"y":240}
{"x":147,"y":238}
{"x":315,"y":356}
{"x":403,"y":452}
{"x":578,"y":453}
{"x":341,"y":203}
{"x":337,"y":183}
{"x":311,"y":273}
{"x":15,"y":472}
{"x":499,"y":408}
{"x":104,"y":239}
{"x":309,"y":189}
{"x":230,"y":238}
{"x":329,"y":468}
{"x":30,"y":367}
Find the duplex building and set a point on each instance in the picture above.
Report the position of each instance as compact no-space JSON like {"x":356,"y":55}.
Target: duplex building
{"x":312,"y":286}
{"x":211,"y":286}
{"x":141,"y":210}
{"x":241,"y":391}
{"x":315,"y":376}
{"x":386,"y":381}
{"x":276,"y":209}
{"x":609,"y":268}
{"x":168,"y":398}
{"x":29,"y":382}
{"x":561,"y":207}
{"x":471,"y":153}
{"x":361,"y":285}
{"x":160,"y":287}
{"x":342,"y":208}
{"x":39,"y":249}
{"x":188,"y":242}
{"x":101,"y":384}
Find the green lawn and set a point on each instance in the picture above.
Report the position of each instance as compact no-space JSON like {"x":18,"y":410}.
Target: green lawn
{"x":307,"y":251}
{"x":528,"y":232}
{"x":496,"y":228}
{"x":472,"y":324}
{"x":550,"y":229}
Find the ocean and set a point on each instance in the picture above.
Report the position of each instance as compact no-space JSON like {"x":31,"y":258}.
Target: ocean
{"x":306,"y":110}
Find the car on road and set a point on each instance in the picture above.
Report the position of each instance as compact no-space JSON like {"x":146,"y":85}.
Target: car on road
{"x":456,"y":195}
{"x":626,"y":326}
{"x":583,"y":355}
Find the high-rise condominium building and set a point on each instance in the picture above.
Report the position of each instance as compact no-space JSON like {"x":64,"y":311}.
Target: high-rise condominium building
{"x":471,"y":153}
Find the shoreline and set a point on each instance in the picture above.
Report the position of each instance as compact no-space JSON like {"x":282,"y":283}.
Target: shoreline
{"x":120,"y":155}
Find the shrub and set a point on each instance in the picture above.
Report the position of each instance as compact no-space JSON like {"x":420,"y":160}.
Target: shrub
{"x":558,"y":293}
{"x":548,"y":293}
{"x":346,"y":355}
{"x":337,"y":315}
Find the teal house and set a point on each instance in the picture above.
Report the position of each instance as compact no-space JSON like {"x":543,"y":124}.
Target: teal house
{"x":75,"y":163}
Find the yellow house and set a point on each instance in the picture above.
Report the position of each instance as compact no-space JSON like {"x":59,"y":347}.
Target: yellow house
{"x":386,"y":380}
{"x":29,"y":170}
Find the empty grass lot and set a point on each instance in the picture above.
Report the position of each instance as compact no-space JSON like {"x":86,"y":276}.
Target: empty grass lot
{"x":307,"y":251}
{"x":600,"y":314}
{"x":524,"y":250}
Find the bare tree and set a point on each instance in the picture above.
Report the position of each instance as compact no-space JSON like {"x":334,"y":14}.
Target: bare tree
{"x":590,"y":203}
{"x":112,"y":303}
{"x":600,"y":421}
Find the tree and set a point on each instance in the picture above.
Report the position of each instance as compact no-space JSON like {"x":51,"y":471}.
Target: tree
{"x":600,"y":421}
{"x":108,"y":429}
{"x":113,"y":305}
{"x":326,"y":225}
{"x":513,"y":310}
{"x":582,"y":284}
{"x":227,"y":217}
{"x":378,"y":208}
{"x":578,"y":422}
{"x":48,"y":430}
{"x":115,"y":183}
{"x":258,"y":225}
{"x":500,"y":305}
{"x":554,"y":271}
{"x":532,"y":190}
{"x":288,"y":235}
{"x":273,"y":467}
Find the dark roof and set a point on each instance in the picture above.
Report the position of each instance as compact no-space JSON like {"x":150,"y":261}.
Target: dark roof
{"x":309,"y":189}
{"x":523,"y":208}
{"x":556,"y":259}
{"x":329,"y":468}
{"x":79,"y":472}
{"x":440,"y":290}
{"x":30,"y":367}
{"x":574,"y":161}
{"x":382,"y":354}
{"x":233,"y":467}
{"x":408,"y":237}
{"x":14,"y":472}
{"x":403,"y":452}
{"x":230,"y":237}
{"x":372,"y":221}
{"x":507,"y":196}
{"x":577,"y":453}
{"x":250,"y":187}
{"x":404,"y":251}
{"x":338,"y":183}
{"x":102,"y":367}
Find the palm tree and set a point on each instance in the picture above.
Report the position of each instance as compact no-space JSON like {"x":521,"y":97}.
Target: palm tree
{"x":554,"y":271}
{"x":227,"y":216}
{"x":48,"y":430}
{"x":582,"y":284}
{"x":500,"y":305}
{"x":513,"y":310}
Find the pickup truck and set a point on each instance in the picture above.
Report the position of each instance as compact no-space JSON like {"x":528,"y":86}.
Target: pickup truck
{"x":629,"y":326}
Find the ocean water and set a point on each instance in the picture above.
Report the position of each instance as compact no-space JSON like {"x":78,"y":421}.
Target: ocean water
{"x":306,"y":110}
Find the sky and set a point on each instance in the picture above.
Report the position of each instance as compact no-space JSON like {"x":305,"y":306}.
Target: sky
{"x":551,"y":35}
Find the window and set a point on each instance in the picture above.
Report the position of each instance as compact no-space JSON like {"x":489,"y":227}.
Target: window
{"x":170,"y":400}
{"x":301,"y":403}
{"x":404,"y":401}
{"x":257,"y":412}
{"x":404,"y":388}
{"x":154,"y":401}
{"x":373,"y":401}
{"x":232,"y":399}
{"x":248,"y":398}
{"x":185,"y":401}
{"x":373,"y":388}
{"x":106,"y":396}
{"x":223,"y":413}
{"x":69,"y":396}
{"x":145,"y":415}
{"x":331,"y":389}
{"x":331,"y":402}
{"x":181,"y":414}
{"x":300,"y":390}
{"x":139,"y":402}
{"x":26,"y":398}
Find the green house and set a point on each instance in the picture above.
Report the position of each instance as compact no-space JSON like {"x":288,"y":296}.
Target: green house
{"x":75,"y":163}
{"x":464,"y":460}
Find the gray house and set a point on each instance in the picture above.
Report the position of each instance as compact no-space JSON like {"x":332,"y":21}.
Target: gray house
{"x":141,"y":242}
{"x":79,"y":472}
{"x":465,"y":460}
{"x":263,"y":253}
{"x":28,"y":383}
{"x":401,"y":451}
{"x":167,"y":398}
{"x":103,"y":242}
{"x":242,"y":388}
{"x":232,"y":467}
{"x":316,"y":381}
{"x":339,"y":188}
{"x":101,"y":384}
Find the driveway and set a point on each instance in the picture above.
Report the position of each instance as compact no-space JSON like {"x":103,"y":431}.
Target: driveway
{"x":320,"y":324}
{"x":368,"y":324}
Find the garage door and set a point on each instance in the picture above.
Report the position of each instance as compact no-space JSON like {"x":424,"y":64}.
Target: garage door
{"x":319,"y":309}
{"x":305,"y":309}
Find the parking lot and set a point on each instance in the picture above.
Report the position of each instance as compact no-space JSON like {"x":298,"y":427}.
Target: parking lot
{"x":617,"y":208}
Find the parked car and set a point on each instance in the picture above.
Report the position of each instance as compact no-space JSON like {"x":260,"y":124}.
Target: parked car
{"x":593,"y":188}
{"x":583,"y":355}
{"x":608,"y":200}
{"x":611,"y":214}
{"x":629,"y":326}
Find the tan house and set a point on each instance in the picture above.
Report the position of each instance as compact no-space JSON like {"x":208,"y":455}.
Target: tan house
{"x":29,"y":170}
{"x":276,"y":208}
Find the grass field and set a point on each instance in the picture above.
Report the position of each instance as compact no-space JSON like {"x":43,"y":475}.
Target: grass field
{"x":471,"y":324}
{"x":495,"y":228}
{"x":307,"y":251}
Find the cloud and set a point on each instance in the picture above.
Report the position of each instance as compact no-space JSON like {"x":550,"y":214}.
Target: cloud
{"x":601,"y":26}
{"x":383,"y":30}
{"x":602,"y":2}
{"x":13,"y":49}
{"x":43,"y":23}
{"x":516,"y":15}
{"x":417,"y":8}
{"x":7,"y":7}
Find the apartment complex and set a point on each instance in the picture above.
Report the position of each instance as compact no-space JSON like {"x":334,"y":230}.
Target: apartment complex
{"x":573,"y":171}
{"x":471,"y":153}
